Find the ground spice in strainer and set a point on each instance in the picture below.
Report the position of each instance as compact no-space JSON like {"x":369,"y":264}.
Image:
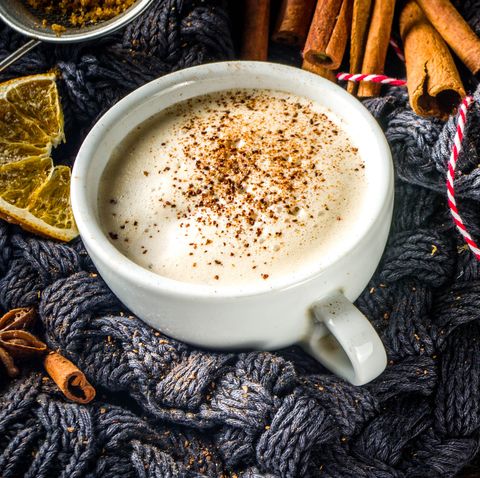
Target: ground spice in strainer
{"x":79,"y":13}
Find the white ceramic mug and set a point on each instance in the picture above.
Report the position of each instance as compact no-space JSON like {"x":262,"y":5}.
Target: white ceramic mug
{"x":312,"y":307}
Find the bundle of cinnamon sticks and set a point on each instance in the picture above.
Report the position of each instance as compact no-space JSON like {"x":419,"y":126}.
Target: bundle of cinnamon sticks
{"x":355,"y":34}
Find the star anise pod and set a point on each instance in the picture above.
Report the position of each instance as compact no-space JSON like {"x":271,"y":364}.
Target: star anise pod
{"x":16,"y":343}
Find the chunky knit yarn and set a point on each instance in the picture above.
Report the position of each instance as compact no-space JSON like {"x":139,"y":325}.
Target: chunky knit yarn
{"x":165,"y":409}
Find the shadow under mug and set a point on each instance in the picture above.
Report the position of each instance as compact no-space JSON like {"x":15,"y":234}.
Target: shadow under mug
{"x":312,"y":306}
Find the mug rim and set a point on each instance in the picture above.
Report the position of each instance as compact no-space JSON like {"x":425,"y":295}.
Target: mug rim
{"x":95,"y":238}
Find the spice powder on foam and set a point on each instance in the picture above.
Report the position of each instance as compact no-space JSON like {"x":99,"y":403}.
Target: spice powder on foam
{"x":251,"y":181}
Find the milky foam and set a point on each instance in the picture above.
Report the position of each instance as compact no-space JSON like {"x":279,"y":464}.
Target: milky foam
{"x":233,"y":188}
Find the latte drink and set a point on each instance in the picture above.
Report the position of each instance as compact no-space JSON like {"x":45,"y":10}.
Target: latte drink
{"x":234,"y":188}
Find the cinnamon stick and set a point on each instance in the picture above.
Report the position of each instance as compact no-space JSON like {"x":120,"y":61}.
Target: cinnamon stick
{"x":360,"y":19}
{"x":328,"y":34}
{"x":69,"y":379}
{"x":319,"y":70}
{"x":255,"y":30}
{"x":293,"y":22}
{"x":377,"y":45}
{"x":454,"y":30}
{"x":341,"y":32}
{"x":434,"y":85}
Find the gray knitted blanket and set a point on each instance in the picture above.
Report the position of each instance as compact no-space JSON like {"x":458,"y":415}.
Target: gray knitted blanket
{"x":165,"y":409}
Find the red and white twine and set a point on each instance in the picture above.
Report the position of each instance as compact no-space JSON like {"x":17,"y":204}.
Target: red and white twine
{"x":382,"y":79}
{"x":452,"y":163}
{"x":397,"y":49}
{"x":457,"y":147}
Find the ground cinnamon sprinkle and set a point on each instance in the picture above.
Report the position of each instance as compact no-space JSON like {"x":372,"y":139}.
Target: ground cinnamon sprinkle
{"x":79,"y":13}
{"x":241,"y":184}
{"x":228,"y":164}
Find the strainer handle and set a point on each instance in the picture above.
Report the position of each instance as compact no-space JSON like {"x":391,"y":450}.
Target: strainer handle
{"x":17,"y":54}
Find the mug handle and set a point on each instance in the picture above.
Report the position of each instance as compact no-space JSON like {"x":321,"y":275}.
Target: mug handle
{"x":344,"y":340}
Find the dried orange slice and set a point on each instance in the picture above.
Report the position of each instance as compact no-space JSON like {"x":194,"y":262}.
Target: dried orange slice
{"x":36,"y":195}
{"x":36,"y":98}
{"x":19,"y":180}
{"x":16,"y":128}
{"x":10,"y":152}
{"x":33,"y":193}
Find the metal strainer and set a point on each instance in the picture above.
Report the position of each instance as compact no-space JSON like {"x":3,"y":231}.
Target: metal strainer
{"x":19,"y":16}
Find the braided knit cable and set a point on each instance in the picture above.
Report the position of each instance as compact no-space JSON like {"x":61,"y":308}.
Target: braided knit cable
{"x":165,"y":409}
